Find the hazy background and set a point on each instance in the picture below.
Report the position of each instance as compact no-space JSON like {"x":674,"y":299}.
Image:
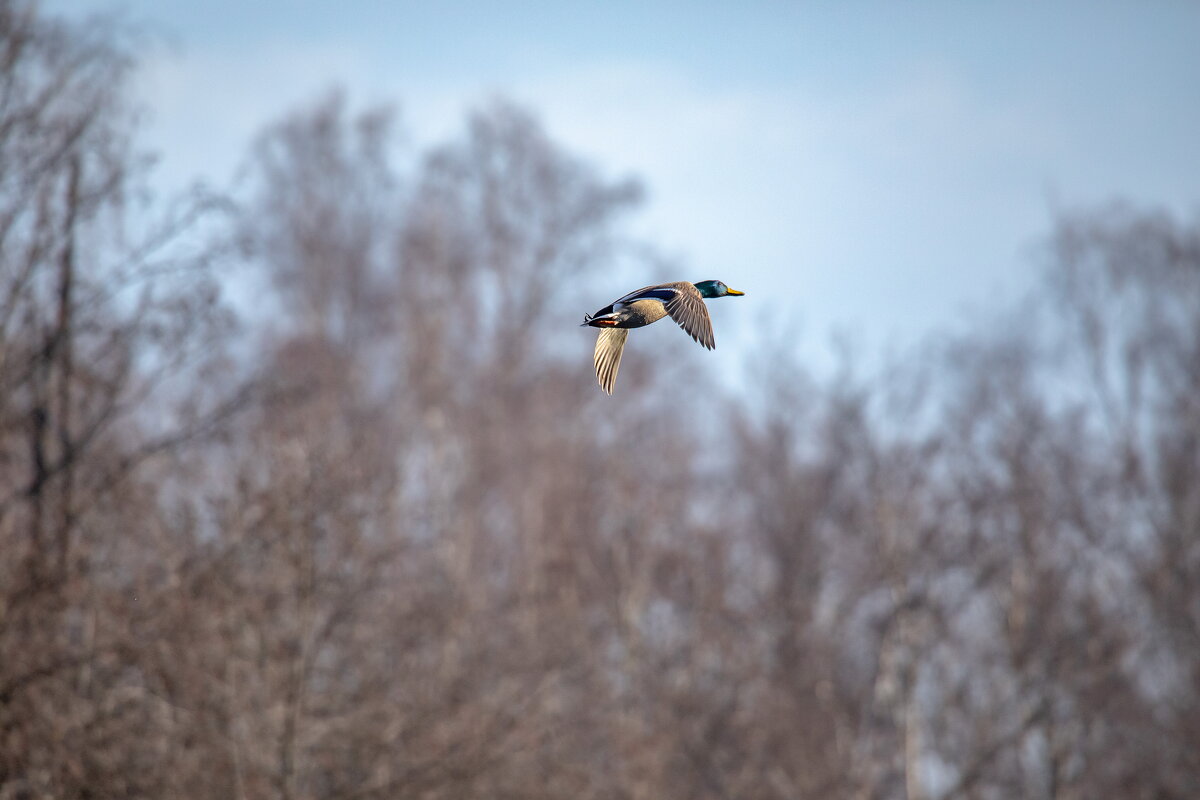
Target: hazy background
{"x":307,"y":489}
{"x":875,"y":169}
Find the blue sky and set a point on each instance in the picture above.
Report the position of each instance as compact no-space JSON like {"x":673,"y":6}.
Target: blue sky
{"x":880,"y":169}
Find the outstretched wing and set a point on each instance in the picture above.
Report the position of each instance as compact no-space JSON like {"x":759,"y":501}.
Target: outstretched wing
{"x":685,"y":305}
{"x":609,"y":346}
{"x":688,"y":309}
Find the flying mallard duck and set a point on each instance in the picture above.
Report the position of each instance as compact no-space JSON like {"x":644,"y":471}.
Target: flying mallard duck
{"x":680,"y":300}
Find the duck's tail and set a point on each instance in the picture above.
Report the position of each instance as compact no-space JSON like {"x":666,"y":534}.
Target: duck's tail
{"x":600,"y":320}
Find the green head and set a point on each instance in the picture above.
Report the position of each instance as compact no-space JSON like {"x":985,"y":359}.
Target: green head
{"x":716,"y":289}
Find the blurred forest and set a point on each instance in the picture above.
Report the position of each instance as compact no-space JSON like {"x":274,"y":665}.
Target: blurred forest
{"x":384,"y":537}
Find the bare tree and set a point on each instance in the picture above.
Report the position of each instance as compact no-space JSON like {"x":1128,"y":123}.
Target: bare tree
{"x":95,"y":339}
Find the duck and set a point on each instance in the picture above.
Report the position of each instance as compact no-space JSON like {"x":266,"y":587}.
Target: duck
{"x":679,"y":300}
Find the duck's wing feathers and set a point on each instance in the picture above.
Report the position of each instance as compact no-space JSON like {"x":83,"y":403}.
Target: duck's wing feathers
{"x":683,"y":303}
{"x":664,"y":292}
{"x":609,"y":346}
{"x":687,"y":308}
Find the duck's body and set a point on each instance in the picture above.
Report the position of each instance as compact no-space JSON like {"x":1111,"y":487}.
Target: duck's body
{"x":635,"y":314}
{"x":682,"y":301}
